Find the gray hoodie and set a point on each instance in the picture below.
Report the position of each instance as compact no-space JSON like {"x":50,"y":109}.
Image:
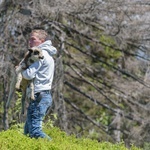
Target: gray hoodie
{"x":42,"y":71}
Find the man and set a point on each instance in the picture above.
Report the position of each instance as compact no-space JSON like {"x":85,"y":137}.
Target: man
{"x":42,"y":73}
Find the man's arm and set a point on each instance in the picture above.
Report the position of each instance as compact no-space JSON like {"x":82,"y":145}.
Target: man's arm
{"x":31,"y":71}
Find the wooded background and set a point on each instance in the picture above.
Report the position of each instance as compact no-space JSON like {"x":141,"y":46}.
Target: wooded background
{"x":101,"y":84}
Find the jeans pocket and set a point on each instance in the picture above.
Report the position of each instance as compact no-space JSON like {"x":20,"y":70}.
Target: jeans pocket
{"x":44,"y":103}
{"x":43,"y":106}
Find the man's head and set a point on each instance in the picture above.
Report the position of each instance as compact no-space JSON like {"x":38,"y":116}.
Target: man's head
{"x":37,"y":37}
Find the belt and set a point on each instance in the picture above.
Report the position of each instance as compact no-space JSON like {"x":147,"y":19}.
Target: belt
{"x":44,"y":91}
{"x":38,"y":94}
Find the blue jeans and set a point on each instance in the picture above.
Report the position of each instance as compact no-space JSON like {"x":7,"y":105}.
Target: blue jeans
{"x":35,"y":113}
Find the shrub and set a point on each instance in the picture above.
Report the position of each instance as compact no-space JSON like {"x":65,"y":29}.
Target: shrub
{"x":13,"y":139}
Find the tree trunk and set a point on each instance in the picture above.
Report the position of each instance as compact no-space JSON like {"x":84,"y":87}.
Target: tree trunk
{"x":59,"y":102}
{"x":5,"y":114}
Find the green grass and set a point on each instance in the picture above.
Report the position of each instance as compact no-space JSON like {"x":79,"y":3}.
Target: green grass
{"x":13,"y":139}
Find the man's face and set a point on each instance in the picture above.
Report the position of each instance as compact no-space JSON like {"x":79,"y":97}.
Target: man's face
{"x":34,"y":40}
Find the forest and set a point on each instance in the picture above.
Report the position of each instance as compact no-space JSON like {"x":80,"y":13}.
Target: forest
{"x":102,"y":68}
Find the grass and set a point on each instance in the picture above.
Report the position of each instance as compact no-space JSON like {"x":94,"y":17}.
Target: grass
{"x":13,"y":139}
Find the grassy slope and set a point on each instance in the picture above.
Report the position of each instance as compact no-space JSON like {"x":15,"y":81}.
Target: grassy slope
{"x":13,"y":139}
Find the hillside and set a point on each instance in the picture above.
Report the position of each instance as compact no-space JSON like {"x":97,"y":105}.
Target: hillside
{"x":13,"y":139}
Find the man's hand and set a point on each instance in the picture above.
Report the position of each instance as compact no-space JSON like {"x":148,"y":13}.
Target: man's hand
{"x":23,"y":66}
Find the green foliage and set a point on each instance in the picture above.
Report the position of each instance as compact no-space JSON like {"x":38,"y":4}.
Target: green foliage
{"x":50,"y":122}
{"x":14,"y":139}
{"x":109,"y":51}
{"x":146,"y":146}
{"x":1,"y":107}
{"x":104,"y":119}
{"x":17,"y":107}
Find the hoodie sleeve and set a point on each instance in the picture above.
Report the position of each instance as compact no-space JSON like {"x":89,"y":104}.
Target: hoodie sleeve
{"x":30,"y":72}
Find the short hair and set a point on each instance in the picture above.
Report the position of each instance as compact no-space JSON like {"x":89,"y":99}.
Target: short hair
{"x":42,"y":34}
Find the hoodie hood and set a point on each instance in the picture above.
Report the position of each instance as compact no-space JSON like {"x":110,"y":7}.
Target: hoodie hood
{"x":47,"y":46}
